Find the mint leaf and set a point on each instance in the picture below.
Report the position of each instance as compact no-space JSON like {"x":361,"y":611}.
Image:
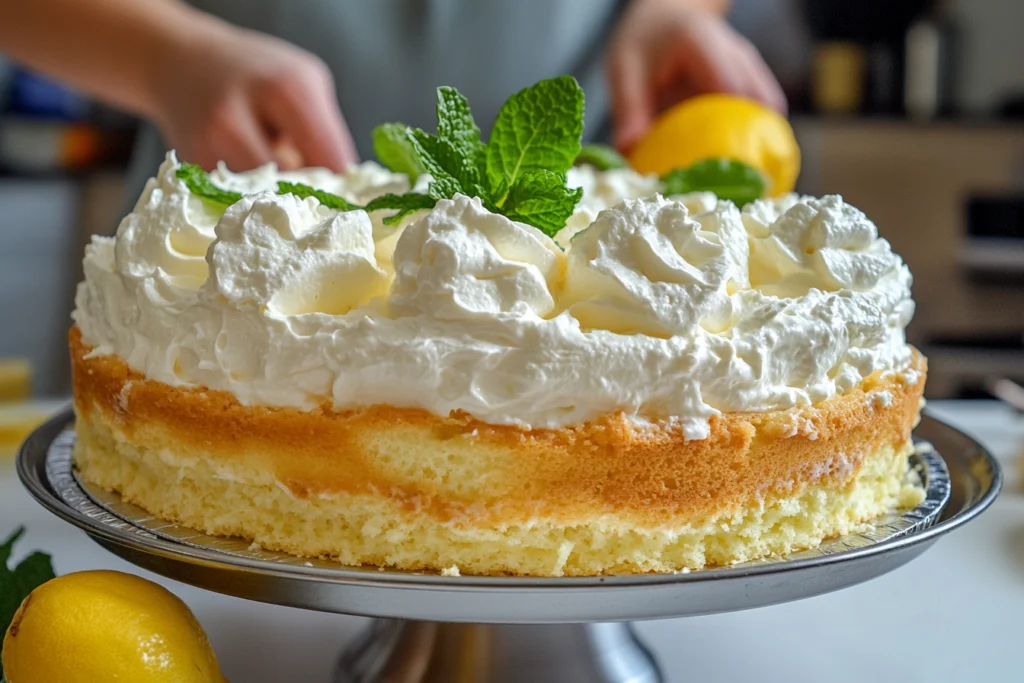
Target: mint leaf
{"x":456,"y":127}
{"x":427,"y":149}
{"x":541,"y":199}
{"x":729,"y":179}
{"x":391,"y":145}
{"x":17,"y":583}
{"x":404,"y":203}
{"x":601,"y":157}
{"x":452,"y":164}
{"x":331,"y":201}
{"x":538,"y":128}
{"x":33,"y":571}
{"x":198,"y":182}
{"x":8,"y":546}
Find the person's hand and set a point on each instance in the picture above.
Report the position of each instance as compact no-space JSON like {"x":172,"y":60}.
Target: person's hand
{"x":664,"y":51}
{"x":241,"y":97}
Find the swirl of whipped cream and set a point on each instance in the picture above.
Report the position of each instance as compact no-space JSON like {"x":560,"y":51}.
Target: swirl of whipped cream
{"x":462,"y":261}
{"x":605,"y":189}
{"x":167,"y":233}
{"x":311,"y":259}
{"x":645,"y":266}
{"x":817,"y":243}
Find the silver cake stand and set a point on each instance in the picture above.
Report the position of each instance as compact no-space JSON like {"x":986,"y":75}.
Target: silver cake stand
{"x":483,"y":629}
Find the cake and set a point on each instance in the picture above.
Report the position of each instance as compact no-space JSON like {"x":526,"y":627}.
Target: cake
{"x":666,"y":384}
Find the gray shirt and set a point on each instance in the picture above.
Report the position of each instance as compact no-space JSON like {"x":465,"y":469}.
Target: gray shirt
{"x":388,"y":56}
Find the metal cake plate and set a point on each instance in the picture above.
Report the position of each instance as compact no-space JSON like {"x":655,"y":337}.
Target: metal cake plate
{"x":961,"y":480}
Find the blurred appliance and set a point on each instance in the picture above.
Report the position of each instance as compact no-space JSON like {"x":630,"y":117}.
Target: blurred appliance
{"x":994,"y":236}
{"x":881,"y":56}
{"x":992,"y":254}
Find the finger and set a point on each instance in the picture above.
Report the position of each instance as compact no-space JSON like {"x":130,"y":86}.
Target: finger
{"x":288,"y":158}
{"x":239,"y":140}
{"x":633,"y":109}
{"x":711,"y":64}
{"x":763,"y":85}
{"x":309,"y":117}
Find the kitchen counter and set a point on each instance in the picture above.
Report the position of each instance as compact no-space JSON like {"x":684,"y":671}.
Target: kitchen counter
{"x":952,"y":615}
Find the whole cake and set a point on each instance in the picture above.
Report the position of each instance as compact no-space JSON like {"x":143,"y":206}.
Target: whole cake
{"x":362,"y":367}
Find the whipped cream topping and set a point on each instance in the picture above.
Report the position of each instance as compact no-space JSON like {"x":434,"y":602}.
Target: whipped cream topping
{"x":462,"y":261}
{"x":605,"y":189}
{"x":664,"y":309}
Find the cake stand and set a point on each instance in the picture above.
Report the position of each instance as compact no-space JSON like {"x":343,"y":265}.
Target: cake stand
{"x":484,"y":629}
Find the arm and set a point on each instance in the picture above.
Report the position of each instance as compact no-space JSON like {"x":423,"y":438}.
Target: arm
{"x":215,"y":91}
{"x":664,"y":51}
{"x":108,"y":48}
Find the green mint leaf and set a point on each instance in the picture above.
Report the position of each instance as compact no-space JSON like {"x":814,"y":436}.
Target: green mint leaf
{"x":404,"y":203}
{"x":729,"y":179}
{"x":455,"y":126}
{"x":331,"y":201}
{"x":198,"y":182}
{"x":461,"y":168}
{"x":391,"y":145}
{"x":448,"y":168}
{"x":601,"y":157}
{"x":33,"y":571}
{"x":541,"y":199}
{"x":538,"y":128}
{"x":427,"y":149}
{"x":17,"y":583}
{"x":8,"y":545}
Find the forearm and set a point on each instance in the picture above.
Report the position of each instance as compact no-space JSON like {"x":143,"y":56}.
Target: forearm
{"x":114,"y":50}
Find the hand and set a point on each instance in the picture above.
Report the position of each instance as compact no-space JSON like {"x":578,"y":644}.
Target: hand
{"x":664,"y":51}
{"x":241,"y":97}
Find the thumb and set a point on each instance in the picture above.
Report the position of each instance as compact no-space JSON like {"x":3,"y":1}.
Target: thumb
{"x":631,"y":97}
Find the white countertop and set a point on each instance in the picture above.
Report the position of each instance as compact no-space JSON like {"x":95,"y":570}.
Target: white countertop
{"x":955,"y":614}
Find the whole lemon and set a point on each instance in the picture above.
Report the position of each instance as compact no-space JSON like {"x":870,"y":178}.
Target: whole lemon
{"x":721,"y":126}
{"x":99,"y":626}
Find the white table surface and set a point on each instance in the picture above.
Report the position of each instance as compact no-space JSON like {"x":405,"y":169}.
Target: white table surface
{"x":955,"y":614}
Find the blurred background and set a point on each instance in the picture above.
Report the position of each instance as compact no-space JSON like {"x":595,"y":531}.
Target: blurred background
{"x":912,"y":110}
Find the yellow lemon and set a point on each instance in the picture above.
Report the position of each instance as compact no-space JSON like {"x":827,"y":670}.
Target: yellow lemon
{"x":721,"y":126}
{"x":97,"y":626}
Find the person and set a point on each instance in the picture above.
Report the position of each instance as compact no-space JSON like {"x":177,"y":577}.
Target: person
{"x":303,"y":82}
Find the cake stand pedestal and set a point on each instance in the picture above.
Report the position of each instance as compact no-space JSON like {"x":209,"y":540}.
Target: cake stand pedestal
{"x":493,"y":629}
{"x":424,"y":651}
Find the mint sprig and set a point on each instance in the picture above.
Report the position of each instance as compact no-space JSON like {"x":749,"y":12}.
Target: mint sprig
{"x":403,"y":203}
{"x":18,"y":581}
{"x":198,"y":182}
{"x":519,"y":172}
{"x":727,"y":178}
{"x":601,"y":157}
{"x":331,"y":201}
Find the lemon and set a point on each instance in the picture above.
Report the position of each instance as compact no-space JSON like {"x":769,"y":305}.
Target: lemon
{"x":98,"y":626}
{"x":15,"y":379}
{"x":721,"y":126}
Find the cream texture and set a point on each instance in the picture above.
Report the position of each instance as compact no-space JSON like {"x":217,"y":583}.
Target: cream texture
{"x":664,"y":309}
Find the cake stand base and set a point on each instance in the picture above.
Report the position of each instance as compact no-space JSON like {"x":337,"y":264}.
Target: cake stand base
{"x":395,"y":651}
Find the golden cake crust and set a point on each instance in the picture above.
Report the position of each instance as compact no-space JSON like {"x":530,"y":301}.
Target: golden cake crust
{"x":461,"y":472}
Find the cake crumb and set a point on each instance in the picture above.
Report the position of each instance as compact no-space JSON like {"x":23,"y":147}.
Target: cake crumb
{"x":881,"y":399}
{"x":255,"y":547}
{"x":451,"y":571}
{"x":307,"y":564}
{"x":910,"y":496}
